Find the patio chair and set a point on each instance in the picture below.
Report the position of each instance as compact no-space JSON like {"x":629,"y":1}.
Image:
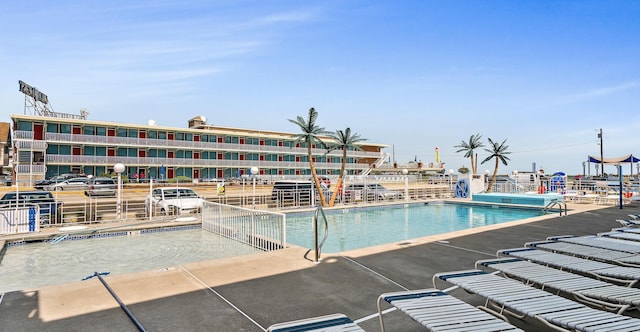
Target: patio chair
{"x":334,"y":322}
{"x":583,"y":251}
{"x":439,"y":311}
{"x":621,"y":235}
{"x":620,"y":274}
{"x":584,"y":289}
{"x":517,"y":299}
{"x":629,"y":222}
{"x":599,"y":242}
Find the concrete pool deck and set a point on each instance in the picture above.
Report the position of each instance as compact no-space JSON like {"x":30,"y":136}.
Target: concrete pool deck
{"x":252,"y":292}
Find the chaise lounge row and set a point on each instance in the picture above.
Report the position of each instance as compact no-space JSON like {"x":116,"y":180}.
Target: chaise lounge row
{"x":557,"y":282}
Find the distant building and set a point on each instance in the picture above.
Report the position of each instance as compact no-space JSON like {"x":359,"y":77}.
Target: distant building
{"x":52,"y":143}
{"x":5,"y":147}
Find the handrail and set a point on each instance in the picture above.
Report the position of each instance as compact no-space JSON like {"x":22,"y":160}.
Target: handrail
{"x":560,"y":204}
{"x":318,"y":245}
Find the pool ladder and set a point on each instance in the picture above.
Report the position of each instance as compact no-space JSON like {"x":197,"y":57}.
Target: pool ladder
{"x":560,"y":204}
{"x":318,"y":244}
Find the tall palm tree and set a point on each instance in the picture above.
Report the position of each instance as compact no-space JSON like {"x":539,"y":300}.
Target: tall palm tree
{"x":499,"y":152}
{"x":469,"y":148}
{"x":310,"y":135}
{"x":343,"y":140}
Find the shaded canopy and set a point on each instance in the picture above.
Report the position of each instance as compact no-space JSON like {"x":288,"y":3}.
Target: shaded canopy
{"x":621,"y":160}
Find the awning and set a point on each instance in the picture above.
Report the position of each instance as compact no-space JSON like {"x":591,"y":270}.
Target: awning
{"x":621,"y":160}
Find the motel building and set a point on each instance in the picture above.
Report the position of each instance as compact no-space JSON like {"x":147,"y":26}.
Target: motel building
{"x":47,"y":143}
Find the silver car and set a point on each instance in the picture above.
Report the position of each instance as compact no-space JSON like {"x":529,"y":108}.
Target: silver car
{"x":79,"y":183}
{"x":101,"y":186}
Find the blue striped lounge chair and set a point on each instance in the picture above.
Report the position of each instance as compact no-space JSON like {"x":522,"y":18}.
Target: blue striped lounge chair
{"x":439,"y":311}
{"x":515,"y":298}
{"x":619,"y":274}
{"x":599,"y":242}
{"x":592,"y":291}
{"x":599,"y":254}
{"x":622,"y":235}
{"x":334,"y":323}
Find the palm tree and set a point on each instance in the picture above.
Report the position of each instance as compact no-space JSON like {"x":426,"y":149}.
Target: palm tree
{"x":469,"y":148}
{"x":310,"y":135}
{"x":343,"y":140}
{"x":499,"y":152}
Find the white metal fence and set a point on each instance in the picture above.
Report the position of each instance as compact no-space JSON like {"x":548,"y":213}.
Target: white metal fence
{"x":265,"y":230}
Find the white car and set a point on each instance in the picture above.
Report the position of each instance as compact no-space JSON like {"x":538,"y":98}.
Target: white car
{"x":174,"y":201}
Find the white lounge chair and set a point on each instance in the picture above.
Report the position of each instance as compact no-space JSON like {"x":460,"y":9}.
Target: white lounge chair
{"x":439,"y":311}
{"x":610,"y":272}
{"x":599,"y":242}
{"x":621,"y":235}
{"x":334,"y":322}
{"x":595,"y":292}
{"x":595,"y":253}
{"x":513,"y":297}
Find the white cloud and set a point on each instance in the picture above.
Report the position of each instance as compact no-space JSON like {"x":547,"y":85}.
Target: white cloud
{"x":600,"y":92}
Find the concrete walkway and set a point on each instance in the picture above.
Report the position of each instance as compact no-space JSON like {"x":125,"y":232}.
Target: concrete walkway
{"x":252,"y":292}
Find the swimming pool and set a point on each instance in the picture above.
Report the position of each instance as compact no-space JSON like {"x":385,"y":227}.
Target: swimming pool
{"x":365,"y":227}
{"x":44,"y":263}
{"x":40,"y":264}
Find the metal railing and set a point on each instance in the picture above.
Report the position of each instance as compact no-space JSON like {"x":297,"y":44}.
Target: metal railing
{"x":317,"y":245}
{"x":265,"y":230}
{"x":562,"y":206}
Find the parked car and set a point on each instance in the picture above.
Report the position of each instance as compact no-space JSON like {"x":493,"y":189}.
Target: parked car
{"x":43,"y":184}
{"x":79,"y":183}
{"x":323,"y":180}
{"x":174,"y":201}
{"x":370,"y":192}
{"x":296,"y":192}
{"x":101,"y":186}
{"x":49,"y":208}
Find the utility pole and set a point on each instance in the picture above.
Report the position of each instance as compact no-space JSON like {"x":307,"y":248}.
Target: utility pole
{"x":601,"y":154}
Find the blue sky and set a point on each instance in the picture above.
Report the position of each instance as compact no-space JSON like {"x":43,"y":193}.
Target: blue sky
{"x":544,"y":75}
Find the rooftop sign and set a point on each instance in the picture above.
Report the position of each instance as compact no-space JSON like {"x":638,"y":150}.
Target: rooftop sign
{"x":33,"y":92}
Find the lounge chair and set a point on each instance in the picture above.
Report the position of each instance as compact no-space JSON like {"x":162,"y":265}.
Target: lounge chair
{"x":584,"y":289}
{"x":600,"y":242}
{"x":634,"y":230}
{"x":439,"y":311}
{"x":621,"y":235}
{"x":595,"y":253}
{"x":629,"y":222}
{"x":621,"y":274}
{"x":515,"y":298}
{"x":334,"y":322}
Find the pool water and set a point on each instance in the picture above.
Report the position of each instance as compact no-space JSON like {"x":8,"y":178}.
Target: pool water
{"x":33,"y":265}
{"x":366,"y":227}
{"x":44,"y":263}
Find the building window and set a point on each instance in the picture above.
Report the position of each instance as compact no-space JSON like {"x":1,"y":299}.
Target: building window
{"x":101,"y":131}
{"x":64,"y":150}
{"x":25,"y":125}
{"x":52,"y":149}
{"x":65,"y":128}
{"x":89,"y":151}
{"x":231,"y":156}
{"x":89,"y":130}
{"x":153,"y":134}
{"x":52,"y":127}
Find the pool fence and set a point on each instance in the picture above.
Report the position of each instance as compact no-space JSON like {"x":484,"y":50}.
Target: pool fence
{"x":265,"y":230}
